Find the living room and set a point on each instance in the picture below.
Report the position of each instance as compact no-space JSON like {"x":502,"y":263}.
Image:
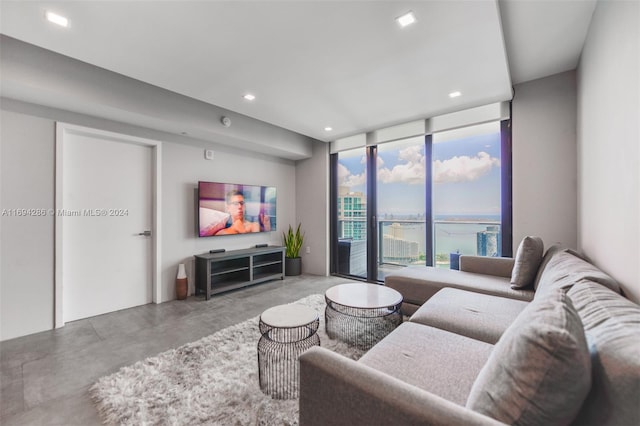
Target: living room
{"x":575,"y":162}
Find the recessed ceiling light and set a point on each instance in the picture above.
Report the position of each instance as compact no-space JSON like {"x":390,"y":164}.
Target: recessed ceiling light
{"x":454,"y":94}
{"x":249,"y":97}
{"x":57,"y":19}
{"x":406,"y":19}
{"x":328,"y":129}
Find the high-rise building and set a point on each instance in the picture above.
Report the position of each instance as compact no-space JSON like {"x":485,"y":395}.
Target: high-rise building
{"x":352,"y":210}
{"x":399,"y":250}
{"x":396,"y":231}
{"x":489,"y":242}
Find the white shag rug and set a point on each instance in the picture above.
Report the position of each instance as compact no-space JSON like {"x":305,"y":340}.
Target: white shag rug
{"x":212,"y":381}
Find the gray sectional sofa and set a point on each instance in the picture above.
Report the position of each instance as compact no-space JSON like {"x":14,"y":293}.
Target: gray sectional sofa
{"x":563,"y":350}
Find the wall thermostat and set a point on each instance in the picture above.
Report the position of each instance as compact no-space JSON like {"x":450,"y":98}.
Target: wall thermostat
{"x":226,"y":121}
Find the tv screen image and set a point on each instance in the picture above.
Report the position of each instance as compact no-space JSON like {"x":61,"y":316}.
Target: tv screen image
{"x":228,"y":208}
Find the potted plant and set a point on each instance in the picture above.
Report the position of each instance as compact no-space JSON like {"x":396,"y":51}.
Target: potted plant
{"x":293,"y":244}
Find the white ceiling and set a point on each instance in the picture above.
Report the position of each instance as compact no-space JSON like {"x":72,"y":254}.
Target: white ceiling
{"x":312,"y":64}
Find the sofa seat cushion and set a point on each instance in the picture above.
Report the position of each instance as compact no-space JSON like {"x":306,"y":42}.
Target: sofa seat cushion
{"x":435,"y":360}
{"x":539,"y":371}
{"x":418,"y":283}
{"x":478,"y":316}
{"x":612,"y":327}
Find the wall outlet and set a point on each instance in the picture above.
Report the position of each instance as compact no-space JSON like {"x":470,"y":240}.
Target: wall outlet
{"x":208,"y":154}
{"x":308,"y":250}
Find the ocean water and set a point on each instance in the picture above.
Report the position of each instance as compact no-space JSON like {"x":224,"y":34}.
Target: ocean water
{"x":457,"y":237}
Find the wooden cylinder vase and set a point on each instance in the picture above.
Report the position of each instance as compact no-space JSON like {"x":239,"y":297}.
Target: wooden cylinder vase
{"x":182,"y":285}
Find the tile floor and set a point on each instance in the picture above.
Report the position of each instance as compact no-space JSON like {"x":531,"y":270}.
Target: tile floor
{"x":44,"y":377}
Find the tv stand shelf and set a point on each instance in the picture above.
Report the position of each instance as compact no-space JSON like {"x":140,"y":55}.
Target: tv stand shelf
{"x":219,"y":272}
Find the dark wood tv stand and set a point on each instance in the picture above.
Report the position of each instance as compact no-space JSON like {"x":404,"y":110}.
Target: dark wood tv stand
{"x":219,"y":272}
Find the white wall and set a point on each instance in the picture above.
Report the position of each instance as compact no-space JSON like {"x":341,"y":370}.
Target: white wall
{"x":544,"y":160}
{"x":608,"y":143}
{"x":26,"y":261}
{"x":312,"y":209}
{"x":183,"y":166}
{"x":27,"y":177}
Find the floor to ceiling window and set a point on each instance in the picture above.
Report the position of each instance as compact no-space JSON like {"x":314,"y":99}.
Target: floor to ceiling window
{"x":351,"y":202}
{"x":401,"y":202}
{"x":466,"y":182}
{"x":421,"y":200}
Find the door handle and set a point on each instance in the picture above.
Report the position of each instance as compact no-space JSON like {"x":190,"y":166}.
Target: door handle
{"x":145,"y":233}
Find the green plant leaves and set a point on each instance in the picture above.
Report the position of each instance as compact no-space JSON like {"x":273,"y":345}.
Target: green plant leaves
{"x":293,"y":242}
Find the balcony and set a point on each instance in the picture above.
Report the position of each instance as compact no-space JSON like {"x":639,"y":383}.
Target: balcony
{"x":401,"y":242}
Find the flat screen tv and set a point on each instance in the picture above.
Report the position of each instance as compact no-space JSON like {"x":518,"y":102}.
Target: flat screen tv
{"x":228,"y":208}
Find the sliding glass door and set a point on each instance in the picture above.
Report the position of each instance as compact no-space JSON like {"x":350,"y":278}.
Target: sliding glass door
{"x":351,"y":209}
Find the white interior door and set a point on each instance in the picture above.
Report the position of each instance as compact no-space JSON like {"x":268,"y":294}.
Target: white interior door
{"x":106,"y":203}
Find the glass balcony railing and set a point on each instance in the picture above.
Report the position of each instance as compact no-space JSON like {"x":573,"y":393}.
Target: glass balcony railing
{"x":401,"y":242}
{"x":456,"y":237}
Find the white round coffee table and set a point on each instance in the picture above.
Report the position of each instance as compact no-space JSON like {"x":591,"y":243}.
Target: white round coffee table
{"x":286,"y":332}
{"x":362,"y":314}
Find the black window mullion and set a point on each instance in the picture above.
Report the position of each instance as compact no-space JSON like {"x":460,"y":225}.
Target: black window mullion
{"x":372,"y":227}
{"x":333,"y":212}
{"x":428,"y":188}
{"x":506,"y":189}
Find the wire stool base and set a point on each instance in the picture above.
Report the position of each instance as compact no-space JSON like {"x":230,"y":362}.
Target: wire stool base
{"x":278,"y":352}
{"x":360,"y":327}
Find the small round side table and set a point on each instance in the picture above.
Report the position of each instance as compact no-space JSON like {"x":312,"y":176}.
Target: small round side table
{"x":286,"y":332}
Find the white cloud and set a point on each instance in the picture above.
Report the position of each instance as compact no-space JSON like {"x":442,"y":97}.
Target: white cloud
{"x":464,"y":168}
{"x":350,"y":180}
{"x":412,"y":171}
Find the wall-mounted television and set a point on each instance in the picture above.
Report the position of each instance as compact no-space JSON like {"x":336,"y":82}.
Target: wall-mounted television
{"x":228,"y":208}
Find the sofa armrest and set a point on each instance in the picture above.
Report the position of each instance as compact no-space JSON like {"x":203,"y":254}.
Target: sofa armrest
{"x":497,"y":266}
{"x":336,"y":390}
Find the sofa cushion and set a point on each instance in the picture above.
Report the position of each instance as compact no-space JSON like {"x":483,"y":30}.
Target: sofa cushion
{"x":564,"y":270}
{"x":498,"y":266}
{"x":418,"y":283}
{"x":612,"y":327}
{"x":527,"y":262}
{"x":551,"y":251}
{"x":435,"y":360}
{"x":539,"y":371}
{"x":478,"y":316}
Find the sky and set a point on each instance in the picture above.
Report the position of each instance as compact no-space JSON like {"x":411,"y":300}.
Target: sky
{"x":466,"y":172}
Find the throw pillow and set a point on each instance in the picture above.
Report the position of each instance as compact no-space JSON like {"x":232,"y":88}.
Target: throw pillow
{"x":539,"y":372}
{"x":527,"y":261}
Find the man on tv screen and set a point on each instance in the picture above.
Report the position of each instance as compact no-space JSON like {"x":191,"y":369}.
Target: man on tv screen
{"x":234,"y":204}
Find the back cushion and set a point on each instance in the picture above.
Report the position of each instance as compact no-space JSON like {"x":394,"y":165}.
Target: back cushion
{"x":551,"y":251}
{"x":564,"y":270}
{"x":612,"y":327}
{"x":539,"y":371}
